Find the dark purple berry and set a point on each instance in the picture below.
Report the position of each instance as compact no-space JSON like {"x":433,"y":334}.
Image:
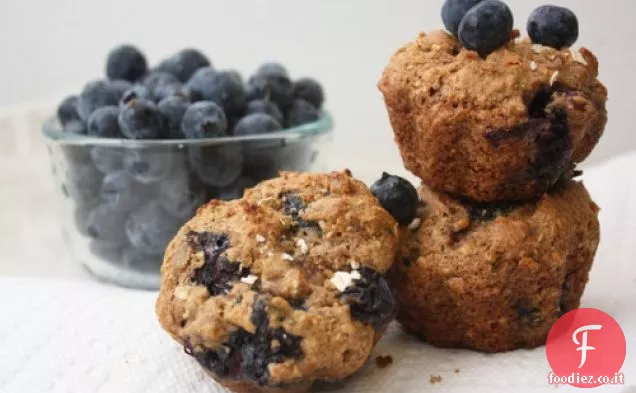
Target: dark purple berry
{"x":371,"y":299}
{"x":121,"y":190}
{"x":224,"y":88}
{"x":553,"y":26}
{"x":255,"y":124}
{"x":272,"y":68}
{"x":267,"y":107}
{"x":273,"y":87}
{"x":217,"y":166}
{"x":149,"y":165}
{"x":453,"y":12}
{"x":397,"y":196}
{"x":67,"y":111}
{"x":181,"y":194}
{"x":173,"y":108}
{"x":141,"y":119}
{"x":95,"y":95}
{"x":103,"y":123}
{"x":107,"y":159}
{"x":204,"y":119}
{"x":106,"y":223}
{"x":184,"y":64}
{"x":310,"y":90}
{"x":301,"y":112}
{"x":149,"y":228}
{"x":137,"y":92}
{"x":486,"y":27}
{"x":126,"y":62}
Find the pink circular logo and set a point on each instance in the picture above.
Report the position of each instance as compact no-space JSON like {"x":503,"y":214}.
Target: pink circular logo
{"x":586,"y":348}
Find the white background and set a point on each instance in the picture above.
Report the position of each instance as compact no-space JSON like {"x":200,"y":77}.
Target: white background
{"x":51,"y":47}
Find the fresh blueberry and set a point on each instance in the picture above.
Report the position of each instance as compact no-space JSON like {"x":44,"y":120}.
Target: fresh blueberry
{"x":235,"y":190}
{"x":181,"y":194}
{"x":126,"y":62}
{"x":309,"y":90}
{"x":95,"y":95}
{"x":453,"y":12}
{"x":173,"y":108}
{"x":106,"y":223}
{"x":553,"y":26}
{"x":184,"y":64}
{"x":256,"y":123}
{"x":217,"y":166}
{"x":149,"y":228}
{"x":119,"y":189}
{"x":371,"y":299}
{"x":108,"y":251}
{"x":82,"y":183}
{"x":107,"y":159}
{"x":397,"y":196}
{"x":267,"y":107}
{"x":76,"y":127}
{"x":103,"y":123}
{"x":274,"y":87}
{"x":140,"y":261}
{"x":486,"y":27}
{"x":67,"y":111}
{"x":121,"y":86}
{"x":170,"y":90}
{"x":301,"y":112}
{"x":161,"y":85}
{"x":222,"y":87}
{"x":204,"y":119}
{"x":149,"y":166}
{"x":141,"y":119}
{"x":272,"y":68}
{"x":137,"y":92}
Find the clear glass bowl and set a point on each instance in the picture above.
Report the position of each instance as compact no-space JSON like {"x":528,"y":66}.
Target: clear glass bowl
{"x":122,"y":200}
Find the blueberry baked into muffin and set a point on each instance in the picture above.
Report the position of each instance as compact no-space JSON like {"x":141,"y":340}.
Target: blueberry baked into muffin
{"x":495,"y":277}
{"x":500,"y":119}
{"x":283,"y":287}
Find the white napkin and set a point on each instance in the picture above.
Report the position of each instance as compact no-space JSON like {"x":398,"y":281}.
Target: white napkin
{"x":65,"y":336}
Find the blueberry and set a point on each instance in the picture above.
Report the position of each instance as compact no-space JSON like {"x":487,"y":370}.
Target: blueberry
{"x":161,"y":85}
{"x":173,"y":108}
{"x":170,"y":90}
{"x":149,"y":166}
{"x":274,"y":87}
{"x":217,"y":272}
{"x":95,"y":95}
{"x":119,"y":189}
{"x":222,"y":87}
{"x":137,"y":92}
{"x":217,"y":166}
{"x":82,"y":183}
{"x":309,"y":90}
{"x":140,"y":261}
{"x":181,"y":194}
{"x":107,"y":159}
{"x":204,"y":119}
{"x":301,"y":112}
{"x":106,"y":223}
{"x":141,"y":119}
{"x":371,"y":299}
{"x":553,"y":26}
{"x":397,"y":196}
{"x":453,"y":12}
{"x":184,"y":64}
{"x":108,"y":251}
{"x":121,"y":86}
{"x":272,"y":68}
{"x":103,"y":123}
{"x":149,"y":228}
{"x":67,"y":111}
{"x":486,"y":27}
{"x":236,"y":189}
{"x":267,"y":107}
{"x":255,"y":124}
{"x":126,"y":62}
{"x":76,"y":127}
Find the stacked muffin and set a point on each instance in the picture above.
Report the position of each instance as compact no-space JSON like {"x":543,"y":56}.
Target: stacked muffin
{"x":504,"y":238}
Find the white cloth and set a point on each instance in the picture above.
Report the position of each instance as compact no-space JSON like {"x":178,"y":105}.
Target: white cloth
{"x":68,"y":336}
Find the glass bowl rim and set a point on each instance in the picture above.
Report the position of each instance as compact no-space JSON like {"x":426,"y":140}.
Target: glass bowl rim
{"x":52,"y":130}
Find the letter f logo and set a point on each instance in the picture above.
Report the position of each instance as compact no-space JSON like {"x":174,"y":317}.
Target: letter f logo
{"x":584,"y":347}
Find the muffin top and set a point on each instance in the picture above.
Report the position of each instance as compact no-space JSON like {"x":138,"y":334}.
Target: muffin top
{"x":437,"y":81}
{"x":285,"y":285}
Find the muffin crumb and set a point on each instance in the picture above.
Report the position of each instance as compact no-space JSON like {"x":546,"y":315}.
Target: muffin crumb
{"x":384,"y":361}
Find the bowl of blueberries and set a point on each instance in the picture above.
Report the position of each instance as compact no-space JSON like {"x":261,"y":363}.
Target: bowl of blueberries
{"x":136,"y":153}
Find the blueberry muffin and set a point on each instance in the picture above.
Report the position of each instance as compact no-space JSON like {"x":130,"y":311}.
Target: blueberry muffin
{"x":504,"y":127}
{"x":284,"y":287}
{"x":495,"y":277}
